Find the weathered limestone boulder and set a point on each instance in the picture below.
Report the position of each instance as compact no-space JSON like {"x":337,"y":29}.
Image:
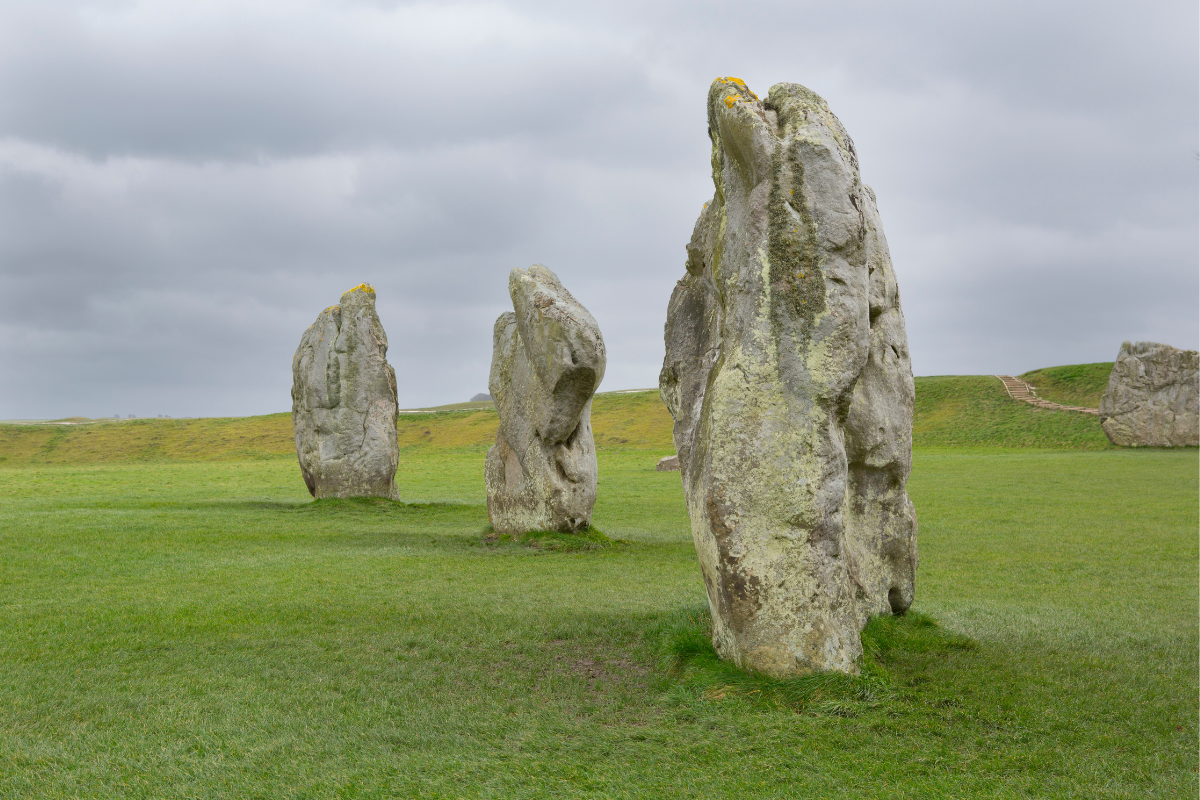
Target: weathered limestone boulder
{"x":1152,"y":398}
{"x":547,"y":360}
{"x":788,"y":379}
{"x":668,"y":464}
{"x":344,"y":402}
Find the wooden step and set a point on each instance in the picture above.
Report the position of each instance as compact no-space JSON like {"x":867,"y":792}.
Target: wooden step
{"x":1020,"y":390}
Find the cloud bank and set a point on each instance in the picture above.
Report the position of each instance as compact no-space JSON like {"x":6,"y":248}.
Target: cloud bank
{"x":184,"y":186}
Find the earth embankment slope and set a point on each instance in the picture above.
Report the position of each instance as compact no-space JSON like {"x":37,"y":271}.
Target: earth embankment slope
{"x":951,"y":411}
{"x":1072,"y":385}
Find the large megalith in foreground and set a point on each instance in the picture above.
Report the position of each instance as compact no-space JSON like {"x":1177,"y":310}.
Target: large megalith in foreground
{"x":1152,"y":399}
{"x":547,"y":360}
{"x":788,"y":378}
{"x":344,"y":402}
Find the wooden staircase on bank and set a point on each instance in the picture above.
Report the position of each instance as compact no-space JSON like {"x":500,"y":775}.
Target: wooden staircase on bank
{"x":1020,"y":390}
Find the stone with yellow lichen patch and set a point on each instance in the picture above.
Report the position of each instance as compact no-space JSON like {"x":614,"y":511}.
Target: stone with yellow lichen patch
{"x":344,"y":402}
{"x":740,"y":83}
{"x":547,"y":359}
{"x":787,"y":376}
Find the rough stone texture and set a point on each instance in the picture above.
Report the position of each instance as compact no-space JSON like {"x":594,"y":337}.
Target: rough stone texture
{"x":785,"y":355}
{"x":547,"y":360}
{"x":879,"y":519}
{"x":344,"y":402}
{"x":668,"y":464}
{"x":1152,"y":398}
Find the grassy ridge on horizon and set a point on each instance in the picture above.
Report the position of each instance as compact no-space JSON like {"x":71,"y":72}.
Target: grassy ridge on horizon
{"x":951,"y":411}
{"x":638,"y":420}
{"x":208,"y":439}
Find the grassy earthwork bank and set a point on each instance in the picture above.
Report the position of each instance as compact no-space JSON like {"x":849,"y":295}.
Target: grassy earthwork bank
{"x":1074,"y":385}
{"x":179,"y":619}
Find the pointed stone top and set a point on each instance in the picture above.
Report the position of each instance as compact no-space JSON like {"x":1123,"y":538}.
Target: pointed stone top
{"x":364,"y":291}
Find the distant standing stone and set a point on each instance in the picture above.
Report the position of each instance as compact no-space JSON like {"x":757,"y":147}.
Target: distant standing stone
{"x":344,"y":402}
{"x":668,"y":464}
{"x":482,"y":396}
{"x":1152,"y":398}
{"x":547,"y":360}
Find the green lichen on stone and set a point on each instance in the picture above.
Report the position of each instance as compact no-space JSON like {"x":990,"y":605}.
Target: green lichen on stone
{"x":795,"y":275}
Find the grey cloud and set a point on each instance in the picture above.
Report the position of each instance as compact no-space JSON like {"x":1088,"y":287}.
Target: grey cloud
{"x":243,"y":84}
{"x":183,"y":187}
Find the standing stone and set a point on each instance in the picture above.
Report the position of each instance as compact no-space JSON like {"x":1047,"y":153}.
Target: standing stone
{"x":788,"y":379}
{"x":547,"y":360}
{"x":1152,"y":398}
{"x":344,"y":402}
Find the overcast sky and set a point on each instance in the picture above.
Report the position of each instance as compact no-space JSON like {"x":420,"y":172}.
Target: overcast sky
{"x":185,"y":185}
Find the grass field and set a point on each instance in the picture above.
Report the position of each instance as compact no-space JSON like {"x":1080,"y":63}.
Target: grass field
{"x":179,"y":619}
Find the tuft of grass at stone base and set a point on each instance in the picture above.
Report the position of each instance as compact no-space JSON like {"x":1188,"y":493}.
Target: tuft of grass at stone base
{"x":687,"y":657}
{"x":553,"y":541}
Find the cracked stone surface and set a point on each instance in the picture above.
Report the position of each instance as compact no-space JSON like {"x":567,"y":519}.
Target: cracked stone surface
{"x":344,"y":402}
{"x":1152,"y":399}
{"x":547,"y":359}
{"x":879,"y":519}
{"x":788,"y":378}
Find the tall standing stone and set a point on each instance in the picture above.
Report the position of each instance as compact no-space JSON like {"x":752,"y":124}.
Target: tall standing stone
{"x":1152,"y":399}
{"x":788,"y":378}
{"x":344,"y":402}
{"x":547,"y":360}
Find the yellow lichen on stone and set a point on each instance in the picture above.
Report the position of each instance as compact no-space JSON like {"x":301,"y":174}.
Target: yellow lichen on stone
{"x":741,"y":84}
{"x":364,"y":287}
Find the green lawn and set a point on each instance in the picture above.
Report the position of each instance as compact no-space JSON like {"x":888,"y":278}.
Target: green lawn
{"x":189,"y":628}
